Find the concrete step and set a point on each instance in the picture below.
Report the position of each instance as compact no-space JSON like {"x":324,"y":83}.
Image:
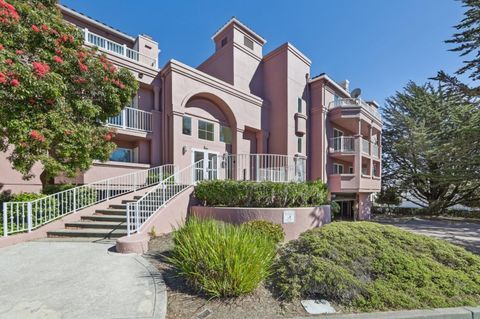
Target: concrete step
{"x":96,"y":224}
{"x":105,"y":218}
{"x":118,"y":206}
{"x":91,"y":233}
{"x":111,"y":211}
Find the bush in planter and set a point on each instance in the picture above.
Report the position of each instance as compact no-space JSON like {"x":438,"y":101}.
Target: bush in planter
{"x":261,"y":194}
{"x":273,"y":231}
{"x":367,"y":266}
{"x":221,"y":260}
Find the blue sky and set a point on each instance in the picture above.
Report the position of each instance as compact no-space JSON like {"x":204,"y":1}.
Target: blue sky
{"x":379,"y":45}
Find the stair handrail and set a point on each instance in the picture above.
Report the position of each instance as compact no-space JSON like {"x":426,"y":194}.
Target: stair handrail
{"x":29,"y":215}
{"x":140,"y":211}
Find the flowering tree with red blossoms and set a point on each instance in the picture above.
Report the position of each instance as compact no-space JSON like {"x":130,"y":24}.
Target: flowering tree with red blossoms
{"x":55,"y":93}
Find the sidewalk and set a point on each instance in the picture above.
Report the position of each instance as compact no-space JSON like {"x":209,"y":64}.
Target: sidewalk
{"x":58,"y":279}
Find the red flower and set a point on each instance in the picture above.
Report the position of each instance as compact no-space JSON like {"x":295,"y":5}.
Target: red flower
{"x":80,"y":80}
{"x":40,"y":69}
{"x":58,"y":52}
{"x":8,"y":14}
{"x":3,"y":78}
{"x":1,"y":47}
{"x":44,"y":27}
{"x":50,"y":102}
{"x":106,"y":79}
{"x":37,"y":136}
{"x":57,"y":59}
{"x":32,"y":101}
{"x":19,"y":52}
{"x":81,"y":55}
{"x":112,"y":68}
{"x":8,"y":61}
{"x":15,"y":82}
{"x":35,"y":29}
{"x":108,"y":137}
{"x":82,"y":67}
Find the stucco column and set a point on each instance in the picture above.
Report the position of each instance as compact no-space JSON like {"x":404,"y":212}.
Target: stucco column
{"x":259,"y":137}
{"x":370,"y":150}
{"x":358,"y":153}
{"x":156,"y":98}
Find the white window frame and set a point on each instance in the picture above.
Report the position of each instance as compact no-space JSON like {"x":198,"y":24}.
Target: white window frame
{"x":206,"y":131}
{"x":335,"y":171}
{"x":183,"y":125}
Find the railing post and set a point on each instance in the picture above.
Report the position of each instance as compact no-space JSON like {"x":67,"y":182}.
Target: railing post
{"x":124,"y":118}
{"x":137,"y":222}
{"x":125,"y":50}
{"x":74,"y":199}
{"x":135,"y":185}
{"x":29,"y":216}
{"x":108,"y":189}
{"x":5,"y":220}
{"x":86,"y":34}
{"x":257,"y":168}
{"x":128,"y":219}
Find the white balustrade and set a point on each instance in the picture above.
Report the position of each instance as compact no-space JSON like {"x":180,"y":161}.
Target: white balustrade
{"x":344,"y":144}
{"x":117,"y":48}
{"x":132,"y":119}
{"x":365,"y":146}
{"x":26,"y":216}
{"x":349,"y":102}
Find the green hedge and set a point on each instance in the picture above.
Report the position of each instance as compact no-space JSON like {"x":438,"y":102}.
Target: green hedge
{"x":413,"y":211}
{"x":261,"y":194}
{"x":270,"y":230}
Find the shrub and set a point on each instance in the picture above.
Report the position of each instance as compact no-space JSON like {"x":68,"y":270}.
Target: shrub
{"x":221,"y":260}
{"x":334,"y":208}
{"x":417,"y":211}
{"x":270,"y":230}
{"x":261,"y":194}
{"x":368,"y":266}
{"x":56,"y":188}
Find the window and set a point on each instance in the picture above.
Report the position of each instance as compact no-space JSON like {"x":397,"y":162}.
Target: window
{"x":205,"y":130}
{"x":336,"y":100}
{"x":122,"y":155}
{"x":224,"y":41}
{"x":225,"y":134}
{"x":299,"y":144}
{"x":248,"y":43}
{"x":337,"y":168}
{"x":350,"y":170}
{"x":187,"y":125}
{"x":300,"y":106}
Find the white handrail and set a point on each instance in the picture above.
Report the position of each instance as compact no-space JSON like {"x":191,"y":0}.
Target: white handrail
{"x":140,"y":211}
{"x":132,"y":118}
{"x":344,"y":144}
{"x":26,"y":216}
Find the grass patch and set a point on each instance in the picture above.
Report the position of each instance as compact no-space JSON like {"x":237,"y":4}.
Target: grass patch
{"x":222,"y":260}
{"x":367,"y":266}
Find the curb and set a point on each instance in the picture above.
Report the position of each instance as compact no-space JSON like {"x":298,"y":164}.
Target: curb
{"x":160,"y":307}
{"x":439,"y":313}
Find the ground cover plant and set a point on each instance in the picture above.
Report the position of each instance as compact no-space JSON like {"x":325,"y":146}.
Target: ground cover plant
{"x":367,"y":266}
{"x":221,"y":260}
{"x":261,"y":194}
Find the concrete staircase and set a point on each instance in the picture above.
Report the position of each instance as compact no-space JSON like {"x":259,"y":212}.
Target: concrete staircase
{"x":103,"y":224}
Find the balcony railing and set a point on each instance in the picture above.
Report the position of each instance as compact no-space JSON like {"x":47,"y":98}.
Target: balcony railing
{"x":344,"y":144}
{"x":349,"y":102}
{"x":132,"y":119}
{"x":118,"y":49}
{"x":365,"y":146}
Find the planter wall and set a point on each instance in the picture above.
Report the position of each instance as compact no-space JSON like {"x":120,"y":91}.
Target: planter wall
{"x":304,"y":218}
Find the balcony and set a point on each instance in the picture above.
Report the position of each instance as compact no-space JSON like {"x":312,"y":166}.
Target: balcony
{"x":350,"y":102}
{"x":342,"y":144}
{"x":132,"y":119}
{"x":117,"y":49}
{"x":353,"y":183}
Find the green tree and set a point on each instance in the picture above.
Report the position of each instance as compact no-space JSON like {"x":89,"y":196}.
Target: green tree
{"x":389,"y":196}
{"x":55,"y":93}
{"x":431,"y":147}
{"x":467,"y":41}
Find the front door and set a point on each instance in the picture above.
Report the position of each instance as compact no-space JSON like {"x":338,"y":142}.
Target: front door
{"x":205,"y":165}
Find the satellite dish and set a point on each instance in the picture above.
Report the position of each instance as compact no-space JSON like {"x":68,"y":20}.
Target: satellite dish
{"x":356,"y":93}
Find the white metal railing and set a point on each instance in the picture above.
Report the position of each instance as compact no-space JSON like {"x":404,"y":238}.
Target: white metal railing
{"x":348,"y":102}
{"x":264,"y":167}
{"x":344,"y":144}
{"x":365,"y":146}
{"x":26,"y":216}
{"x":133,"y":119}
{"x":375,"y":150}
{"x":140,"y":211}
{"x":118,"y":49}
{"x":253,"y":167}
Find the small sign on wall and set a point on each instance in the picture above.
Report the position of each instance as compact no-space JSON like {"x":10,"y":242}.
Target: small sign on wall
{"x":288,"y":216}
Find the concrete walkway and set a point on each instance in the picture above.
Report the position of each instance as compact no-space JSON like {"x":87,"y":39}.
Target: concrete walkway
{"x":58,"y":279}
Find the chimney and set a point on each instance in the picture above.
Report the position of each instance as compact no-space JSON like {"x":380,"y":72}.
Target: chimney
{"x":345,"y":84}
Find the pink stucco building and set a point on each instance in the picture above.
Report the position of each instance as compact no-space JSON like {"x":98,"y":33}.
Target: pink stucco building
{"x":240,"y":100}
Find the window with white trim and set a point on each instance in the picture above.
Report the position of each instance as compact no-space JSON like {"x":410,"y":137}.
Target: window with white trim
{"x":205,"y":130}
{"x":299,"y":105}
{"x":187,"y":125}
{"x":122,"y":154}
{"x":299,"y":145}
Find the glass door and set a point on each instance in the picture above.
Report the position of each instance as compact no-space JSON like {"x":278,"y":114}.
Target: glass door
{"x":206,"y":166}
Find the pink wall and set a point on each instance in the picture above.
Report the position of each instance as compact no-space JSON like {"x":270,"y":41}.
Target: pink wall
{"x":305,"y":218}
{"x":11,"y":181}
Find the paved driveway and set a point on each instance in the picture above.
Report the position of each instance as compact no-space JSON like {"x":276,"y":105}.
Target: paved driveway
{"x":53,"y":279}
{"x":463,"y":233}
